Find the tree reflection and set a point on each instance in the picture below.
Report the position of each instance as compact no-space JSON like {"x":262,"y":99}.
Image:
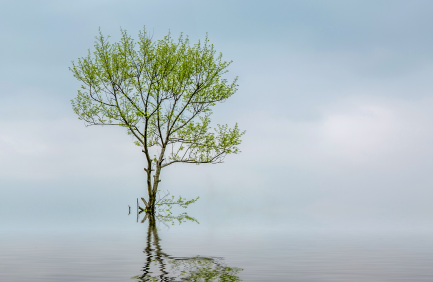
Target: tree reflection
{"x":161,"y":267}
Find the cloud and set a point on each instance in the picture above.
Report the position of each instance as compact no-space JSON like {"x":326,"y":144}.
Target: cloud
{"x":366,"y":160}
{"x":358,"y":133}
{"x":58,"y":148}
{"x":351,"y":136}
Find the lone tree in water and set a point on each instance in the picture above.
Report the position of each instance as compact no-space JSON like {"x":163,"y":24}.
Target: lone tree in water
{"x":162,"y":92}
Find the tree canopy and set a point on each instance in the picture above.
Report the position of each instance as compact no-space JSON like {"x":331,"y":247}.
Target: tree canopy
{"x":162,"y":92}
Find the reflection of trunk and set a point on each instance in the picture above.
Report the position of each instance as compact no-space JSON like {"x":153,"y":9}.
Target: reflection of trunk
{"x":154,"y":254}
{"x":161,"y":267}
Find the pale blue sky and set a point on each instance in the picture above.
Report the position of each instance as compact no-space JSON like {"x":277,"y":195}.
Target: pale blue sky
{"x":335,"y":96}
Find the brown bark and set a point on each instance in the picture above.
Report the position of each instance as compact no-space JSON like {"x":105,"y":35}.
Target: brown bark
{"x":153,"y":189}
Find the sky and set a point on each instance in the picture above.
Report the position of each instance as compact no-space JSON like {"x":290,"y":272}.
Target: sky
{"x":335,"y":97}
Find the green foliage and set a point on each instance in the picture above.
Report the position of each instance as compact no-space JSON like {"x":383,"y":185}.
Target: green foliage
{"x":164,"y":210}
{"x":196,"y":269}
{"x":161,"y":91}
{"x":170,"y":219}
{"x":205,"y":269}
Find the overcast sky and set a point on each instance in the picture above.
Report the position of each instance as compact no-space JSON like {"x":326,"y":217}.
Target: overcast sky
{"x":336,"y":98}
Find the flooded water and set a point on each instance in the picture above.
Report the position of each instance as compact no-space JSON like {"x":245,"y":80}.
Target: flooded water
{"x":135,"y":251}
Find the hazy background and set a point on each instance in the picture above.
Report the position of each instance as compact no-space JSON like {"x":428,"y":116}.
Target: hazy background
{"x":335,"y":97}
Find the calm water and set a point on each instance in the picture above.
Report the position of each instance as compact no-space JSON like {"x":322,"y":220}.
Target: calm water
{"x":252,"y":252}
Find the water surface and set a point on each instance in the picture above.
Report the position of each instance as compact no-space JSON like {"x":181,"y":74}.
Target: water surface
{"x":249,"y":252}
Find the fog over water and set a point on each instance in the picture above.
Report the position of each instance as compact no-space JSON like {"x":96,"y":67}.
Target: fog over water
{"x":335,"y":96}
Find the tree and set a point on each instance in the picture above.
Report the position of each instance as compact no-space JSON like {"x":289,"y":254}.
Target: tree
{"x":162,"y":92}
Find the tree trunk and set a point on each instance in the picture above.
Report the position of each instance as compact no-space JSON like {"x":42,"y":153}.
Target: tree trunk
{"x":151,"y":206}
{"x":152,"y":189}
{"x":152,"y":192}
